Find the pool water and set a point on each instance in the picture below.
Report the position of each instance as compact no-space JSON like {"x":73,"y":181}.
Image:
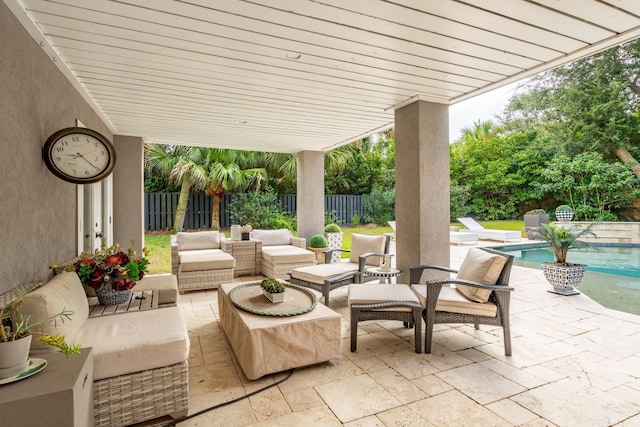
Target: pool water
{"x":612,"y":277}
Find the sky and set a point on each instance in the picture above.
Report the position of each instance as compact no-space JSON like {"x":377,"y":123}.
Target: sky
{"x":483,"y":107}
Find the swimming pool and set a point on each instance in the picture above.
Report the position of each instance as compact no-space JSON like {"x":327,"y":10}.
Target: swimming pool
{"x":612,"y":277}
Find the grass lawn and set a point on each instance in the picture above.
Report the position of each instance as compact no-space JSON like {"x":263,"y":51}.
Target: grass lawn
{"x":159,"y":249}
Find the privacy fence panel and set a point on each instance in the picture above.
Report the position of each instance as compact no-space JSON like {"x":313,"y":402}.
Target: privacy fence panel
{"x":160,"y":208}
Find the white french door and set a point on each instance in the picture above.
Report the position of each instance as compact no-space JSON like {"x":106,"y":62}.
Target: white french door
{"x":95,"y":213}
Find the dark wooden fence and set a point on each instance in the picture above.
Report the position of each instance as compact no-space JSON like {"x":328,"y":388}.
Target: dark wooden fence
{"x":159,"y":209}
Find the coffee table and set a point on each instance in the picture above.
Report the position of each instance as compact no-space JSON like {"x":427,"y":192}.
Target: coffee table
{"x":270,"y":344}
{"x":385,"y":276}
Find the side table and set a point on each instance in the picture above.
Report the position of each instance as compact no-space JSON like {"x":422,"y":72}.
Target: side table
{"x":385,"y":276}
{"x":60,"y":395}
{"x":245,"y":253}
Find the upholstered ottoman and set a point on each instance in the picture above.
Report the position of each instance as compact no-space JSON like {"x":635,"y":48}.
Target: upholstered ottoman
{"x":268,"y":344}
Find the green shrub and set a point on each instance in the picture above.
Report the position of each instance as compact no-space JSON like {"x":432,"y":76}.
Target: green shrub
{"x":261,"y":210}
{"x":536,"y":212}
{"x":332,"y":228}
{"x":380,"y":206}
{"x":318,"y":241}
{"x":272,"y":286}
{"x":564,"y":208}
{"x":355,"y":221}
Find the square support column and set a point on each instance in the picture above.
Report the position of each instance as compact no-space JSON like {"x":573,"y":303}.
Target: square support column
{"x":310,"y":191}
{"x":422,"y":184}
{"x":128,"y":192}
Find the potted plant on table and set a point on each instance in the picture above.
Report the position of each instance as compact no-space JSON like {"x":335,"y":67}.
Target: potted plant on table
{"x":16,"y":332}
{"x":273,"y":289}
{"x":333,"y":232}
{"x":318,"y":244}
{"x":563,"y":275}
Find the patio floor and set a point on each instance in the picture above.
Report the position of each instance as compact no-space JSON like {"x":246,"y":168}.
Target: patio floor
{"x":574,"y":363}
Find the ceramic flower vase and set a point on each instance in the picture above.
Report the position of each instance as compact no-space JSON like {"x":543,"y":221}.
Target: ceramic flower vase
{"x":107,"y":296}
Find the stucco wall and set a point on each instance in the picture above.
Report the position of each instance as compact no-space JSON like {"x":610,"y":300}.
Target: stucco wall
{"x":37,"y":210}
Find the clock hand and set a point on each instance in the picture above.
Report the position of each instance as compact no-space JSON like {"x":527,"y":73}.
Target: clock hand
{"x":85,"y":159}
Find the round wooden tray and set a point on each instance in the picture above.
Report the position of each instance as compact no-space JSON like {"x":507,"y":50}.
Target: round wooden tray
{"x":249,"y":297}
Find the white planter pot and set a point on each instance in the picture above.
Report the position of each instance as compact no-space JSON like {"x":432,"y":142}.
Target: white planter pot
{"x":279,"y":297}
{"x":14,"y":356}
{"x":564,"y":216}
{"x":563,"y":278}
{"x":335,"y":242}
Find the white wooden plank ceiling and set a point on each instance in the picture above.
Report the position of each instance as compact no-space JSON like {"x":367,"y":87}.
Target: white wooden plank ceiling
{"x":291,"y":75}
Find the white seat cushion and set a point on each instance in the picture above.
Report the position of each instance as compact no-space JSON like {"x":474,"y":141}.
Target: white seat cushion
{"x":321,"y":272}
{"x":199,"y":262}
{"x":272,"y":237}
{"x":286,"y":254}
{"x":133,"y":342}
{"x":378,"y":293}
{"x":454,"y":302}
{"x":198,"y":240}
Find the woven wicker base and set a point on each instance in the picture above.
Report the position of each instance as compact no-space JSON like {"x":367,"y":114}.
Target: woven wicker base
{"x":204,"y":279}
{"x":141,"y":396}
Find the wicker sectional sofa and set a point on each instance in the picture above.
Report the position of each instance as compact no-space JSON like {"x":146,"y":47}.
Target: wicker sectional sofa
{"x":140,"y":358}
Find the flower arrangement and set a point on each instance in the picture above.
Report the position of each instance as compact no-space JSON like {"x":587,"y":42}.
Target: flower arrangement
{"x":246,"y":228}
{"x":111,"y":265}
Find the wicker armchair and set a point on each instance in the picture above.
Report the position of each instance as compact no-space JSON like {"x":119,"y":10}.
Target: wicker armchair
{"x":366,"y":250}
{"x":484,"y":300}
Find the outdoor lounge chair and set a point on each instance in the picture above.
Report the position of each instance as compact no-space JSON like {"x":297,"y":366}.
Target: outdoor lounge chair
{"x":366,"y":250}
{"x":481,"y":294}
{"x":486,"y":234}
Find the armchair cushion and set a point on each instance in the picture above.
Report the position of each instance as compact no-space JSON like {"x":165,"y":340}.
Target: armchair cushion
{"x":198,"y":240}
{"x":482,"y":267}
{"x":63,"y":292}
{"x":272,"y":237}
{"x":286,"y":254}
{"x":319,"y":273}
{"x":206,"y":261}
{"x":363,"y":243}
{"x":452,"y":301}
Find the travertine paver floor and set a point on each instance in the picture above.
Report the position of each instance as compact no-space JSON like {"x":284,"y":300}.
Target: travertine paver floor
{"x":574,"y":363}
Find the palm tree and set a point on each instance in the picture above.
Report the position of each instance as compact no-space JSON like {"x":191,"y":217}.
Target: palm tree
{"x":231,"y":170}
{"x":183,"y":166}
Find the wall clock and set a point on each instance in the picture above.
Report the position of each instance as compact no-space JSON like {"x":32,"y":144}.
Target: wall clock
{"x":79,"y":155}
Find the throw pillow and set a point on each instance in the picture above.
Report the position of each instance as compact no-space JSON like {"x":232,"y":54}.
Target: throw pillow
{"x":482,"y":267}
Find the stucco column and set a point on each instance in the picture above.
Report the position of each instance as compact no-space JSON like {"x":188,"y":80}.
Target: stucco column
{"x":128,"y":192}
{"x":422,"y":185}
{"x":310,"y":200}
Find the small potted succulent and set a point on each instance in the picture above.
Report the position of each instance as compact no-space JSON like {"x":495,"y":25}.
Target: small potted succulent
{"x":564,"y":213}
{"x":16,"y":332}
{"x":318,"y":244}
{"x":333,"y":232}
{"x":273,"y":289}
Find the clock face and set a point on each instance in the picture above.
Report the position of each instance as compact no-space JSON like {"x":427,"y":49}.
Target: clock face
{"x":79,"y":155}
